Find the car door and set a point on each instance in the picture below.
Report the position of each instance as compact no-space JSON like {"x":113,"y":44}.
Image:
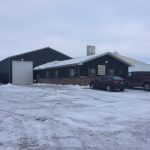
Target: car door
{"x":130,"y":81}
{"x":145,"y":77}
{"x":103,"y":82}
{"x":133,"y":79}
{"x":99,"y":82}
{"x":136,"y":79}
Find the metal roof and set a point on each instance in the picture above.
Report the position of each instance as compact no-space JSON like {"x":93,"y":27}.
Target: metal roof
{"x":80,"y":60}
{"x":24,"y":53}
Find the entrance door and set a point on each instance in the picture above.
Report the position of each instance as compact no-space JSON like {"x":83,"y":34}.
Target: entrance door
{"x":22,"y":72}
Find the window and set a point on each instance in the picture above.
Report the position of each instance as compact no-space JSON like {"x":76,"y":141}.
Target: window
{"x":91,"y":71}
{"x":104,"y":78}
{"x":72,"y":72}
{"x":38,"y":76}
{"x":130,"y":75}
{"x":101,"y":70}
{"x":135,"y":74}
{"x":120,"y":72}
{"x":47,"y":74}
{"x":98,"y":79}
{"x":56,"y":73}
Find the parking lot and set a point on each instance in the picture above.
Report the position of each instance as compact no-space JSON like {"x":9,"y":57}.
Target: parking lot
{"x":56,"y":117}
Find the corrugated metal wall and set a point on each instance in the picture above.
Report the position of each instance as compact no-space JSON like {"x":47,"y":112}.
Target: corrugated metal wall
{"x":145,"y":67}
{"x":38,"y":57}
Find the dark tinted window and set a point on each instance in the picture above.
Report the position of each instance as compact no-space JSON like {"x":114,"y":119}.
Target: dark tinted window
{"x":140,"y":74}
{"x":101,"y":78}
{"x":104,"y":78}
{"x":136,"y":74}
{"x":130,"y":74}
{"x":98,"y":79}
{"x":109,"y":77}
{"x":91,"y":71}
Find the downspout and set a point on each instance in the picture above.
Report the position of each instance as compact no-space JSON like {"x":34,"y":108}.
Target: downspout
{"x":78,"y":71}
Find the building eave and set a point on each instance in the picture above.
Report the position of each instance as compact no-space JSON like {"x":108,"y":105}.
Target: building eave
{"x":85,"y":61}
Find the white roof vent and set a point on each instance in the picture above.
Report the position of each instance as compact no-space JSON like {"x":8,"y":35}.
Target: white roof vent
{"x":117,"y":53}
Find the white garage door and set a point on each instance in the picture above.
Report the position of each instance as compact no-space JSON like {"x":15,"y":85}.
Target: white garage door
{"x":22,"y":72}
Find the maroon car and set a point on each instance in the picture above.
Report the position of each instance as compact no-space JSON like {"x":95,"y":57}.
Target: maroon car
{"x":108,"y":83}
{"x":139,"y":79}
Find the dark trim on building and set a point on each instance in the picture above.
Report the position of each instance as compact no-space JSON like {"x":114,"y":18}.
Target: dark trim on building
{"x":119,"y":69}
{"x":39,"y":57}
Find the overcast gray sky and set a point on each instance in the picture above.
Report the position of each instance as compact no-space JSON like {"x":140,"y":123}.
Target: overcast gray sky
{"x":70,"y":25}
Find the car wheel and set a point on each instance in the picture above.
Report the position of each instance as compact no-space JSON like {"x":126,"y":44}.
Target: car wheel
{"x":108,"y":88}
{"x":147,"y":87}
{"x":121,"y":89}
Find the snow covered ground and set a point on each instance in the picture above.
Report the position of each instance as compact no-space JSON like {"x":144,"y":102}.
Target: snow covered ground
{"x":50,"y":117}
